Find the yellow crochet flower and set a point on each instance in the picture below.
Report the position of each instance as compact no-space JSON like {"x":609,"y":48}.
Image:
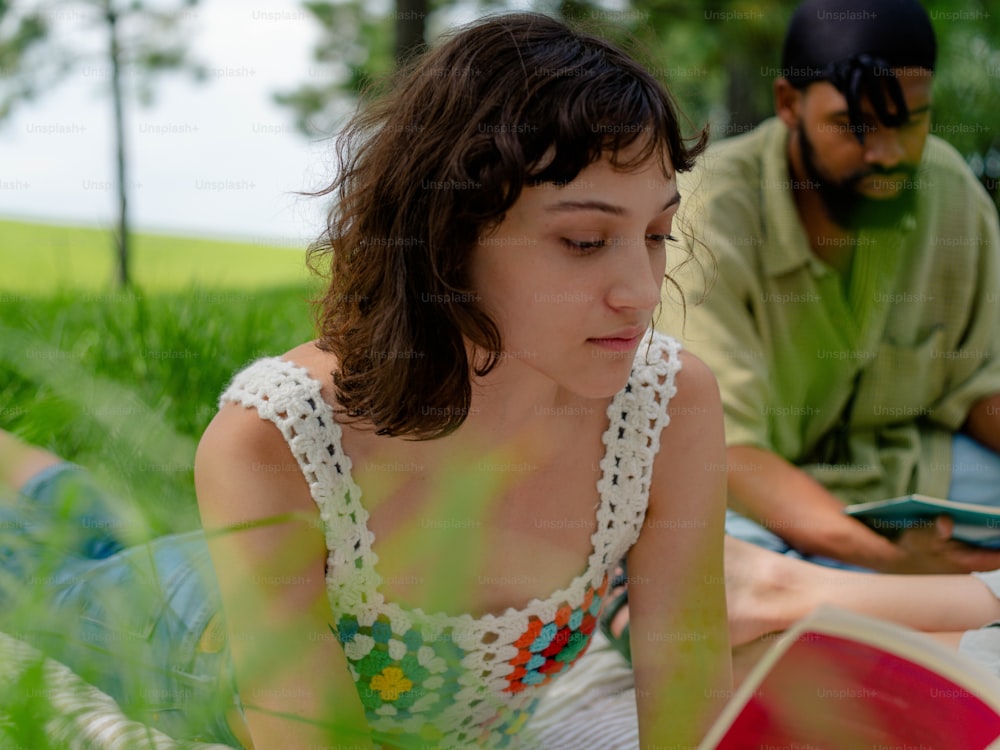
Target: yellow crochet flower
{"x":518,"y":723}
{"x":391,"y":683}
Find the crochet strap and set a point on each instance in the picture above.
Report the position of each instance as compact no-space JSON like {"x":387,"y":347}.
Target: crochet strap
{"x":637,"y":415}
{"x":286,"y":395}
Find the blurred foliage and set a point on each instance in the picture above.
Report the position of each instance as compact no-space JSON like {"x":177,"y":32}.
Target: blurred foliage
{"x":967,"y":85}
{"x":38,"y":46}
{"x":357,"y":48}
{"x":354,"y":47}
{"x":20,"y":36}
{"x":719,"y":58}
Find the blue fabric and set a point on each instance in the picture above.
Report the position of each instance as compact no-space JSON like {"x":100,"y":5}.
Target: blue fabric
{"x":975,"y":478}
{"x":128,"y":618}
{"x":743,"y":528}
{"x":975,"y":472}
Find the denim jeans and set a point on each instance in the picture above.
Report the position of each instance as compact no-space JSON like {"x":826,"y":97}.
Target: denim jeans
{"x":142,"y":622}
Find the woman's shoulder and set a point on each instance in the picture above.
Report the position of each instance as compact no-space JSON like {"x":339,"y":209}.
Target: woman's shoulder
{"x":244,"y":469}
{"x":657,"y":362}
{"x":697,"y":390}
{"x":690,"y":454}
{"x":695,"y":401}
{"x":317,"y":362}
{"x":260,"y":410}
{"x":686,"y":372}
{"x":669,"y":383}
{"x":303,"y":368}
{"x":681,"y":384}
{"x":283,"y":390}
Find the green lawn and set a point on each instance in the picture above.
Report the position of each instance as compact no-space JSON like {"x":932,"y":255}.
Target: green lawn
{"x":124,"y":382}
{"x":39,"y":259}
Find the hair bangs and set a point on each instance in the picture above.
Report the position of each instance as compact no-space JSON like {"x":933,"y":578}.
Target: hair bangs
{"x":625,"y":117}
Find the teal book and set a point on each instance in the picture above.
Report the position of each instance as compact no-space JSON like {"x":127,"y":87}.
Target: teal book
{"x":974,"y":524}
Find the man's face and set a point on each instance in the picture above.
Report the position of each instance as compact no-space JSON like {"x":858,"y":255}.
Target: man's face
{"x":868,"y":184}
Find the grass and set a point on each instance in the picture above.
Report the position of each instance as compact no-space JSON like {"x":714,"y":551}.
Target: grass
{"x":124,"y":383}
{"x":39,"y":259}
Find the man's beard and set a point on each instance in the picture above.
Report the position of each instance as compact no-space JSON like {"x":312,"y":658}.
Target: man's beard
{"x":849,"y":208}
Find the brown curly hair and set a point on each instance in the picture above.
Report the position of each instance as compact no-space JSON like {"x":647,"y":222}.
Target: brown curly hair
{"x":424,"y":171}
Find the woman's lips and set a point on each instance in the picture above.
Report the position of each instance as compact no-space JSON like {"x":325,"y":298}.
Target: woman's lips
{"x":617,"y":343}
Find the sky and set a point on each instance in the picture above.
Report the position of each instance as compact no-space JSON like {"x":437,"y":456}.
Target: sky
{"x":211,"y":159}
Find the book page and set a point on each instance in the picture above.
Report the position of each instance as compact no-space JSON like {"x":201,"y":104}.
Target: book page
{"x":849,"y":682}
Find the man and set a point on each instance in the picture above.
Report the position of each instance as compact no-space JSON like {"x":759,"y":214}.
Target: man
{"x":854,"y":322}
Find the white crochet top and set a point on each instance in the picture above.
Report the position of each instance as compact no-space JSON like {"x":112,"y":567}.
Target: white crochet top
{"x":439,"y":680}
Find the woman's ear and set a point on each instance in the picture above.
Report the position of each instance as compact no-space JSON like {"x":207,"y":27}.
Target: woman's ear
{"x":787,"y":101}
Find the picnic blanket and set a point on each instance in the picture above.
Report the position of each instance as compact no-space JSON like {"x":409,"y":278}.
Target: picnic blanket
{"x":66,"y":712}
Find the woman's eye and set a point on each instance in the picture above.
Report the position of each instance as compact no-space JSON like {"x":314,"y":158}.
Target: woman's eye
{"x":584,"y":247}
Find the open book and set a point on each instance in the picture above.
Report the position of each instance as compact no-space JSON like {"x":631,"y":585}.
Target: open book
{"x":842,"y":681}
{"x":974,"y":524}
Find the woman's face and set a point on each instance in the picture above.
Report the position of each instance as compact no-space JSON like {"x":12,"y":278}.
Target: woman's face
{"x":572,"y":274}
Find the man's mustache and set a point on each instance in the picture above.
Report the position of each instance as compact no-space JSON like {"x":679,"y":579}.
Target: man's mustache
{"x":905,"y":171}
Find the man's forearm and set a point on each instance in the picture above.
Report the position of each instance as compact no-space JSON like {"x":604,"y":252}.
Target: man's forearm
{"x":793,"y":505}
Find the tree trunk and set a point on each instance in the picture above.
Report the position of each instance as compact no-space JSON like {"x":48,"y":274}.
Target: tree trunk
{"x":744,"y":112}
{"x":411,"y":20}
{"x":116,"y":96}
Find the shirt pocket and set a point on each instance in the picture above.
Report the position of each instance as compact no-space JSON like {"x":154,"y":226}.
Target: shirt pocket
{"x":901,"y":383}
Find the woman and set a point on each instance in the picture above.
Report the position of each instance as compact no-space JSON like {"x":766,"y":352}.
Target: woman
{"x":486,"y":374}
{"x":420,"y":509}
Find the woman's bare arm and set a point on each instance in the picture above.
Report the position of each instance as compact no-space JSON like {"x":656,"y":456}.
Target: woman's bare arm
{"x":679,"y":640}
{"x":291,"y":673}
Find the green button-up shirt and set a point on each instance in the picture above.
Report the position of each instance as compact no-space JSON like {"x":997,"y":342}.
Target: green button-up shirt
{"x":861,"y":381}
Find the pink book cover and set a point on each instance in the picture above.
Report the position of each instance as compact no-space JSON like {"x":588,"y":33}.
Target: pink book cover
{"x":840,"y":681}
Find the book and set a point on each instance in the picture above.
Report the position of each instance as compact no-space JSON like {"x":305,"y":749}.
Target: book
{"x":974,"y":524}
{"x":841,"y":681}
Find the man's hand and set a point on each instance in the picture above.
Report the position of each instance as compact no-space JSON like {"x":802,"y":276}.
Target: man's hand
{"x":930,"y":549}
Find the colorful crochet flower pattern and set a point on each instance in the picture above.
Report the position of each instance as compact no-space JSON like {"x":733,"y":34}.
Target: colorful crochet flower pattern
{"x":548,"y":648}
{"x":399,"y":675}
